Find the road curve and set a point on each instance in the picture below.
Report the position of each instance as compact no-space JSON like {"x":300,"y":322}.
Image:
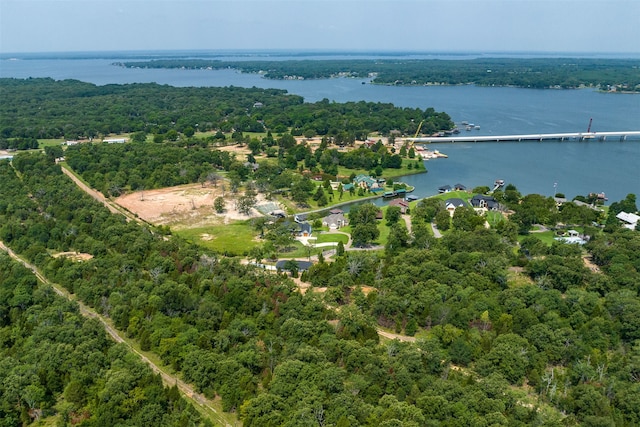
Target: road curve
{"x":168,"y":379}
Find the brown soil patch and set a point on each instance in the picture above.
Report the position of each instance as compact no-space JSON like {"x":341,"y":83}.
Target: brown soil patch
{"x":242,"y":150}
{"x":190,"y":204}
{"x":75,"y":256}
{"x":366,"y":290}
{"x":588,"y":262}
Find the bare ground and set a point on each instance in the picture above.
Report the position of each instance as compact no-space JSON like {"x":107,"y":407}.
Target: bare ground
{"x":75,"y":256}
{"x":190,"y":204}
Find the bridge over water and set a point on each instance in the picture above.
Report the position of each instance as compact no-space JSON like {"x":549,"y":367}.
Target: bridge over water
{"x":575,"y":136}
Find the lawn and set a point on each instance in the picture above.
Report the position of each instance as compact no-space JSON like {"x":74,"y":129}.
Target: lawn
{"x":332,"y":237}
{"x":387,"y":173}
{"x":235,"y":238}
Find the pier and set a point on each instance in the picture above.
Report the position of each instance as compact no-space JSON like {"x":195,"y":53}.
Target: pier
{"x":575,"y":136}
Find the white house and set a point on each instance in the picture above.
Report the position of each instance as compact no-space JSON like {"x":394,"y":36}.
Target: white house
{"x":630,"y":219}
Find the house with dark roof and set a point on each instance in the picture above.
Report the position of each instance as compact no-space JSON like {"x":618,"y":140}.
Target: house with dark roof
{"x":480,"y":201}
{"x":300,"y":218}
{"x":302,"y":265}
{"x":304,"y":229}
{"x":452,"y":204}
{"x":444,"y":189}
{"x":459,"y":187}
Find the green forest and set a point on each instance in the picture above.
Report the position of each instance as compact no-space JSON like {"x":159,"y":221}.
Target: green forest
{"x":55,"y":362}
{"x":506,"y":333}
{"x":566,"y":73}
{"x":44,"y":108}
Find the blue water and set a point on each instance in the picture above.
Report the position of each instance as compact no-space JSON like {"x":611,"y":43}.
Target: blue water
{"x":575,"y":167}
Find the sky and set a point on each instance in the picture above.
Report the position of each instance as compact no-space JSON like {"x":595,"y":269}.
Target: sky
{"x":576,"y":26}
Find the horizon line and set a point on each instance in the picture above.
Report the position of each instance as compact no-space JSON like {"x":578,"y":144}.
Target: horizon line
{"x":326,"y":51}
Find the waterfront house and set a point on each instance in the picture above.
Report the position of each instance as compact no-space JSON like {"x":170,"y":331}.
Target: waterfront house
{"x":402,"y":204}
{"x":486,"y":203}
{"x":444,"y":189}
{"x":452,"y":204}
{"x":459,"y":187}
{"x":630,"y":219}
{"x":365,"y":181}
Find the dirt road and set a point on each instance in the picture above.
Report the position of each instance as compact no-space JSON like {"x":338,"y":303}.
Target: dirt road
{"x":168,"y":379}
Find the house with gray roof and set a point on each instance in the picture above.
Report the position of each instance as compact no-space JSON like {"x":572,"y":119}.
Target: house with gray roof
{"x":335,"y":221}
{"x":453,"y":203}
{"x":480,"y":201}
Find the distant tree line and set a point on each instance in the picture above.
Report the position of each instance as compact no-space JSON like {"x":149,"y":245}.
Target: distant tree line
{"x":606,"y":74}
{"x":44,"y":108}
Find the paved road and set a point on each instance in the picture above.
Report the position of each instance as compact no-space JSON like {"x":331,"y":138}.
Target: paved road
{"x":168,"y":379}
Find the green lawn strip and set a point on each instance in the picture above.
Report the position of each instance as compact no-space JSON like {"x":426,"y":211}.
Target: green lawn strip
{"x":454,"y":195}
{"x":298,"y":250}
{"x":55,"y":142}
{"x":386,"y":173}
{"x":331,"y":237}
{"x":547,"y":237}
{"x":234,"y":238}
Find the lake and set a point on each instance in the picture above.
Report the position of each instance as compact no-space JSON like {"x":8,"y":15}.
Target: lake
{"x":573,"y":167}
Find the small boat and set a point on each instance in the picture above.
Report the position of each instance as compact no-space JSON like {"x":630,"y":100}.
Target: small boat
{"x":476,"y":127}
{"x":499,"y":182}
{"x":468,"y":128}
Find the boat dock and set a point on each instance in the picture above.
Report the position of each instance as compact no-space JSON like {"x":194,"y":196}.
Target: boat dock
{"x":575,"y":136}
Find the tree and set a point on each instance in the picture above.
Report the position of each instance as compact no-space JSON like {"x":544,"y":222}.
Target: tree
{"x":443,"y":220}
{"x":219,"y":204}
{"x":245,"y":203}
{"x":364,"y":234}
{"x":188,"y":131}
{"x":465,"y":218}
{"x":392,"y":215}
{"x":363,"y":214}
{"x":398,"y":239}
{"x":509,"y":356}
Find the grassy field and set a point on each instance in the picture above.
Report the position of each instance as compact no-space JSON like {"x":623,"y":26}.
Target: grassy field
{"x":329,"y":237}
{"x":387,"y":173}
{"x":235,"y":238}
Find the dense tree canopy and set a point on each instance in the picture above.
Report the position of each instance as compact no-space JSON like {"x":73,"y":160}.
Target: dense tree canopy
{"x":487,"y":318}
{"x":44,"y":108}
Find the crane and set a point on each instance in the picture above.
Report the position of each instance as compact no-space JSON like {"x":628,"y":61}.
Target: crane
{"x":411,"y":144}
{"x":419,"y":127}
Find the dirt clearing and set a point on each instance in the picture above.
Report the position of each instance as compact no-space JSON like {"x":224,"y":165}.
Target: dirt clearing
{"x":190,"y":204}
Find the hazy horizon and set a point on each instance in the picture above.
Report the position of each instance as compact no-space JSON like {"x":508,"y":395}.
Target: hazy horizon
{"x":575,"y":27}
